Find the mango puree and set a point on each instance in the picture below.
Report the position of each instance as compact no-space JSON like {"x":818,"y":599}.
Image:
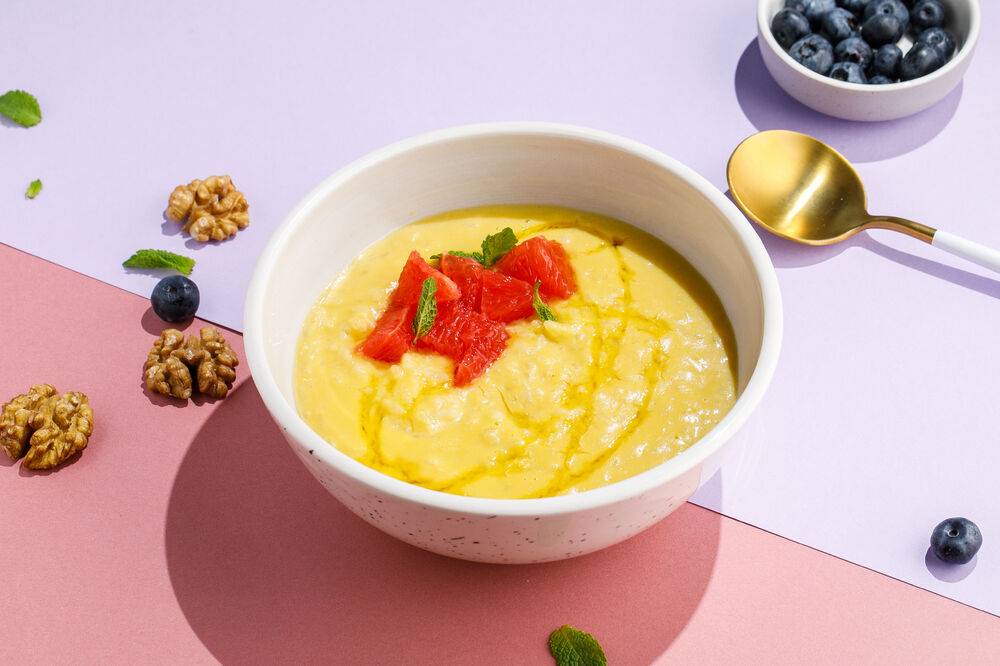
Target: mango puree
{"x":638,"y":366}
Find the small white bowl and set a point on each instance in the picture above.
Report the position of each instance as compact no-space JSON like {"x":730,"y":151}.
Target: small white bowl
{"x":854,"y":101}
{"x":492,"y":164}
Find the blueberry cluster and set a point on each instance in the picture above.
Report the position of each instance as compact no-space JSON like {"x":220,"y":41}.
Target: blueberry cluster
{"x":857,"y":40}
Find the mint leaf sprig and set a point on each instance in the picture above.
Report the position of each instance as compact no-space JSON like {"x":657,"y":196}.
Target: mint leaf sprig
{"x":159,"y":259}
{"x":572,"y":647}
{"x":478,"y":256}
{"x":493,"y":247}
{"x":496,"y":245}
{"x":426,"y":309}
{"x":33,"y":188}
{"x":21,"y":107}
{"x":544,"y":313}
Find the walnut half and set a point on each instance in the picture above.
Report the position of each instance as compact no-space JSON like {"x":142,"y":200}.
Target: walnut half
{"x":53,"y":427}
{"x":172,"y":360}
{"x":214,"y":208}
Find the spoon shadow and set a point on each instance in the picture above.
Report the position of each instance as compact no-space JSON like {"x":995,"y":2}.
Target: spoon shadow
{"x":962,"y":278}
{"x":785,"y":253}
{"x":768,"y":107}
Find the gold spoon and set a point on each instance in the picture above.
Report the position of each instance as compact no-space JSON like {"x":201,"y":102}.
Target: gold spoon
{"x":804,"y":190}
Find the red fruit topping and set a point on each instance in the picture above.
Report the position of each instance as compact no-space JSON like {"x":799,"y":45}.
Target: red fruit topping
{"x":473,"y":305}
{"x":411,"y":281}
{"x":392,"y":336}
{"x":467,"y":274}
{"x":481,"y":355}
{"x":393,"y":333}
{"x":540,"y":259}
{"x":467,"y":337}
{"x":506,"y":298}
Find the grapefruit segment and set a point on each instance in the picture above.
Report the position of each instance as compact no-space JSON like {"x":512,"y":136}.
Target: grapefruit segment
{"x":448,"y":336}
{"x":481,"y":354}
{"x":539,"y":259}
{"x":392,"y":336}
{"x":467,"y":337}
{"x":505,"y":298}
{"x":467,"y":274}
{"x":411,"y":281}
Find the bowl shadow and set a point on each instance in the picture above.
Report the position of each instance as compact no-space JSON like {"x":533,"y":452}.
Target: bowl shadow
{"x":267,"y":567}
{"x":768,"y":107}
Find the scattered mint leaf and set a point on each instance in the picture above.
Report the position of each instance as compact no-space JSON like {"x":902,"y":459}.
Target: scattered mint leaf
{"x":544,"y":313}
{"x":572,"y":647}
{"x":159,"y":259}
{"x":497,"y":245}
{"x":33,"y":189}
{"x":427,"y":309}
{"x":20,"y":107}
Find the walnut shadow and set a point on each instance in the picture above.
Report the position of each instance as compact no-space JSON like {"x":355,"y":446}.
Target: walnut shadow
{"x":767,"y":107}
{"x":268,"y":567}
{"x":6,"y":461}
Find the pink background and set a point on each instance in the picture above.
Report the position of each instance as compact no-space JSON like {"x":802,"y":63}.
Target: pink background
{"x":190,"y":533}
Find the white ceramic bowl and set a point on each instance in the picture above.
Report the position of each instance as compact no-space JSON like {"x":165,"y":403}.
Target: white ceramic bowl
{"x":854,"y":101}
{"x":509,"y":163}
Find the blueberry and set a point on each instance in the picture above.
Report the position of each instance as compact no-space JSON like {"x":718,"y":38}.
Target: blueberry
{"x":880,"y":79}
{"x":815,"y":9}
{"x":856,"y":7}
{"x":886,"y":61}
{"x":956,"y":540}
{"x":927,"y":14}
{"x":879,"y":29}
{"x":789,"y":26}
{"x":940,"y":38}
{"x":813,"y":51}
{"x":886,"y":8}
{"x":921,"y":59}
{"x":837,"y":25}
{"x":797,"y":5}
{"x":853,"y":49}
{"x":175,"y":298}
{"x":848,"y":71}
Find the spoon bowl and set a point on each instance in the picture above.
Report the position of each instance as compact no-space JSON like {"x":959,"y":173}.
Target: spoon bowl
{"x":801,"y":189}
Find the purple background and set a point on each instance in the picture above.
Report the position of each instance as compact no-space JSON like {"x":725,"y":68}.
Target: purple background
{"x":879,"y":422}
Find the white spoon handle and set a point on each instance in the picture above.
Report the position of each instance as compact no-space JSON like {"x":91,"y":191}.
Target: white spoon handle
{"x":974,"y":252}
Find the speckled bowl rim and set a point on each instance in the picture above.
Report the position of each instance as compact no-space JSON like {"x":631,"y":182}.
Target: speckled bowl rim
{"x":285,"y":414}
{"x":968,"y":47}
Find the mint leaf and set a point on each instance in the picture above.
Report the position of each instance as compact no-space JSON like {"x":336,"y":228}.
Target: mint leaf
{"x":159,"y":259}
{"x":544,"y":313}
{"x":572,"y":647}
{"x":478,"y":256}
{"x":497,"y":245}
{"x":427,"y":309}
{"x":20,"y":107}
{"x":33,"y":189}
{"x":494,"y":247}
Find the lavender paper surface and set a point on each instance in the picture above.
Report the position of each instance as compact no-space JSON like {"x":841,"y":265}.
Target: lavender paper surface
{"x":878,"y":423}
